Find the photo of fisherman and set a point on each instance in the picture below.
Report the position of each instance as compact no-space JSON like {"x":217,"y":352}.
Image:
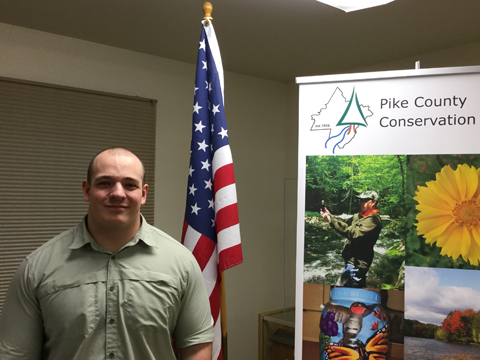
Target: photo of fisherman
{"x":361,"y":233}
{"x":355,"y":221}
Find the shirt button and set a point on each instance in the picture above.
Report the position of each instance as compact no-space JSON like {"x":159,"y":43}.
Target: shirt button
{"x":111,"y":321}
{"x":112,"y":288}
{"x":111,"y":355}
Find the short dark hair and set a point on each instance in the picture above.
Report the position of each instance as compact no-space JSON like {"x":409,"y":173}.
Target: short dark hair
{"x":90,"y":166}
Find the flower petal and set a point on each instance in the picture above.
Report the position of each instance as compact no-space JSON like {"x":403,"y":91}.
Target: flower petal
{"x":455,"y":244}
{"x":467,"y":180}
{"x":465,"y":243}
{"x":441,"y":191}
{"x":430,"y":212}
{"x":447,"y":180}
{"x":477,"y":192}
{"x":426,"y":195}
{"x":443,"y":238}
{"x":433,"y":226}
{"x":476,"y":233}
{"x":474,"y":253}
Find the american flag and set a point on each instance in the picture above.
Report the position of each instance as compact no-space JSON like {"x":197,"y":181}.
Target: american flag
{"x":211,"y":230}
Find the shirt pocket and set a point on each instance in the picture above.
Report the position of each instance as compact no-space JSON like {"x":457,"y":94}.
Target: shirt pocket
{"x":71,"y":309}
{"x":151,"y":301}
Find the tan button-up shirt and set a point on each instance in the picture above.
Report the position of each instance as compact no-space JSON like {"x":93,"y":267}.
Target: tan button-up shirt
{"x":72,"y":299}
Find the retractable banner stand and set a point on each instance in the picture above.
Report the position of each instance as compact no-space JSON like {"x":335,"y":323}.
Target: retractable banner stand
{"x":389,"y":200}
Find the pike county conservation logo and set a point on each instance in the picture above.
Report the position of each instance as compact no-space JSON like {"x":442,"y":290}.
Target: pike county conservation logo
{"x":342,"y":119}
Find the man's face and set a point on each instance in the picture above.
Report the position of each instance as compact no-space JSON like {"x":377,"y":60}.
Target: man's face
{"x":116,"y":191}
{"x":367,"y":204}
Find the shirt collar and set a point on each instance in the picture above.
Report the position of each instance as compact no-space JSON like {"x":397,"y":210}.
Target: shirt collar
{"x":368,"y":213}
{"x":82,"y":236}
{"x":144,"y":234}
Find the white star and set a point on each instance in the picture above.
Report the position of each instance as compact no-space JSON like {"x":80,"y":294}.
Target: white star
{"x":202,"y":146}
{"x":224,"y":133}
{"x":195,"y":209}
{"x":196,"y":108}
{"x":202,"y":45}
{"x":199,"y":126}
{"x":206,"y":165}
{"x":215,"y":109}
{"x":192,"y":190}
{"x":211,"y":148}
{"x":204,"y":65}
{"x":211,"y":204}
{"x":190,"y":171}
{"x":212,"y":129}
{"x":206,"y":85}
{"x":213,"y":222}
{"x":195,"y":91}
{"x":208,"y":184}
{"x":209,"y":87}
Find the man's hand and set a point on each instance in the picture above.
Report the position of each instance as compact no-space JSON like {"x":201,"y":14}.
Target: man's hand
{"x":196,"y":352}
{"x":325,"y":214}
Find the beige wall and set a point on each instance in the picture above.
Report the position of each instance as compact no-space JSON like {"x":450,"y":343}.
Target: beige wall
{"x":465,"y":55}
{"x":256,"y":116}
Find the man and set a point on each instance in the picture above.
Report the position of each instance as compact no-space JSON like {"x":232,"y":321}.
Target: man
{"x":361,"y":233}
{"x":113,"y":287}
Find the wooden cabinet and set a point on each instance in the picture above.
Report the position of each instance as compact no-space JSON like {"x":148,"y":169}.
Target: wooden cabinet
{"x":282,"y":352}
{"x":276,"y":333}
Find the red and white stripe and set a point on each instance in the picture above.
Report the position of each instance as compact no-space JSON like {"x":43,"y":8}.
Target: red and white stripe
{"x":227,"y":252}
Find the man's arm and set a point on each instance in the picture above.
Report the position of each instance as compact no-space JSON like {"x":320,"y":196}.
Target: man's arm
{"x":328,"y":217}
{"x":194,"y":322}
{"x":196,"y":352}
{"x":21,"y":326}
{"x":358,"y":230}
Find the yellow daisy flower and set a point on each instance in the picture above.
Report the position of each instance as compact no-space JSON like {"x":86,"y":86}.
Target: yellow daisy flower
{"x":450,"y":212}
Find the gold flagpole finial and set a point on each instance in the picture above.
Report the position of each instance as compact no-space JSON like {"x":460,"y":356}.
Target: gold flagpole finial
{"x":207,"y":11}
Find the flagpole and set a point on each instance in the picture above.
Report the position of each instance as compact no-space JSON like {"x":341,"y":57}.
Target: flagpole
{"x":223,"y":318}
{"x":207,"y":11}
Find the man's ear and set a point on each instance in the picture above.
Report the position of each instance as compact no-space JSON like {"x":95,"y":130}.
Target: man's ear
{"x":144,"y":193}
{"x":86,"y":190}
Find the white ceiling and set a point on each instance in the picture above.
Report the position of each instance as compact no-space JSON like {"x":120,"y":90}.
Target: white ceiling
{"x":271,"y":39}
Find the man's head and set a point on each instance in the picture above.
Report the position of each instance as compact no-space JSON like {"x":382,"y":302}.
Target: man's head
{"x":90,"y":166}
{"x":115,"y":189}
{"x":368,"y":200}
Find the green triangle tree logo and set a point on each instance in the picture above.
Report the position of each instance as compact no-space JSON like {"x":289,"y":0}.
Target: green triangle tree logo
{"x":353,"y":115}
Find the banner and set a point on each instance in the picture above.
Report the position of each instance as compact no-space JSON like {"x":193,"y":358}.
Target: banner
{"x":389,"y":199}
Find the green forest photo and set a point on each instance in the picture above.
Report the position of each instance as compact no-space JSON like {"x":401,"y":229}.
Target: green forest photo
{"x":335,"y":183}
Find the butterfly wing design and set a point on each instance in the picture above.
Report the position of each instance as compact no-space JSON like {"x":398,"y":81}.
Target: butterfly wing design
{"x":336,"y":352}
{"x":376,"y":348}
{"x":377,"y":345}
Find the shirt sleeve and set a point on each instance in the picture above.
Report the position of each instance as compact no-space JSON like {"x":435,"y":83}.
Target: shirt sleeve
{"x":194,"y":322}
{"x":359,"y":229}
{"x":21,"y":326}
